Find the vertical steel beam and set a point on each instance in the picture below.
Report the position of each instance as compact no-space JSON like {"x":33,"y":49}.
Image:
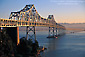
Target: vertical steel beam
{"x":49,"y":31}
{"x":56,"y":31}
{"x":53,"y":31}
{"x":34,"y":32}
{"x":26,"y":32}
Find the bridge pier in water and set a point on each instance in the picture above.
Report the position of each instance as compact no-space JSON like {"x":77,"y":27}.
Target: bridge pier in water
{"x":31,"y":33}
{"x":52,"y":32}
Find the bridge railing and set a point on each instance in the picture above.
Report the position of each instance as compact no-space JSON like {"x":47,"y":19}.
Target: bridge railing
{"x":15,"y":23}
{"x":7,"y":22}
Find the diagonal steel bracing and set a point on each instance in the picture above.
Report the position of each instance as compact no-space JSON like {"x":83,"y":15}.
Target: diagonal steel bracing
{"x":52,"y":32}
{"x":30,"y":32}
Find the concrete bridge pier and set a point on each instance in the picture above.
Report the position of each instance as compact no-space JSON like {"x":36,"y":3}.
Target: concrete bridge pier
{"x":13,"y":32}
{"x":31,"y":33}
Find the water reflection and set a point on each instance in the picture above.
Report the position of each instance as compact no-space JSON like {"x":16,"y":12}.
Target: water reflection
{"x":51,"y":45}
{"x":69,"y":45}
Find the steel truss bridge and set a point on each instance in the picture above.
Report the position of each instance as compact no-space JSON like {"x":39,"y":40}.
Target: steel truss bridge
{"x":29,"y":17}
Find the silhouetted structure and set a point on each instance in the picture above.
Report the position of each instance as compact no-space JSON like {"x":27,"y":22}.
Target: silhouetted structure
{"x":30,"y":18}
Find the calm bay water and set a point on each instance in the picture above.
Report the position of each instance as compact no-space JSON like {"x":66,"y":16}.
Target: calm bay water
{"x":69,"y":45}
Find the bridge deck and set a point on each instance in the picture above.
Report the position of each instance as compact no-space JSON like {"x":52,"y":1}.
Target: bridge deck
{"x":29,"y":16}
{"x":16,"y":23}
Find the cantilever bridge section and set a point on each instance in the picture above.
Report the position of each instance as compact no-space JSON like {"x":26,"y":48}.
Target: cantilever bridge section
{"x":29,"y":17}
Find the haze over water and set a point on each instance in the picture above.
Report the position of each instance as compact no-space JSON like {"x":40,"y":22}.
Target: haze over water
{"x":69,"y":45}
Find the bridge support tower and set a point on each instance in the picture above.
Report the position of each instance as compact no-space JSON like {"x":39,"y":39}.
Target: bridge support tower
{"x":52,"y":32}
{"x":30,"y":33}
{"x":56,"y":32}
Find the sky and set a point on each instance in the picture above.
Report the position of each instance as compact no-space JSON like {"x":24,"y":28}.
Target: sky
{"x":64,"y":11}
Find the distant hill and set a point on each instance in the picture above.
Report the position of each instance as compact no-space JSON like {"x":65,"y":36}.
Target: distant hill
{"x":74,"y":26}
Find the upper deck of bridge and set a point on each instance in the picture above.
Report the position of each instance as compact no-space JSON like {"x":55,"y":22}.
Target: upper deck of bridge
{"x":29,"y":16}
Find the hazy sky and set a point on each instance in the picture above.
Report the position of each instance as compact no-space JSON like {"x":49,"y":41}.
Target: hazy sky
{"x":70,"y":11}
